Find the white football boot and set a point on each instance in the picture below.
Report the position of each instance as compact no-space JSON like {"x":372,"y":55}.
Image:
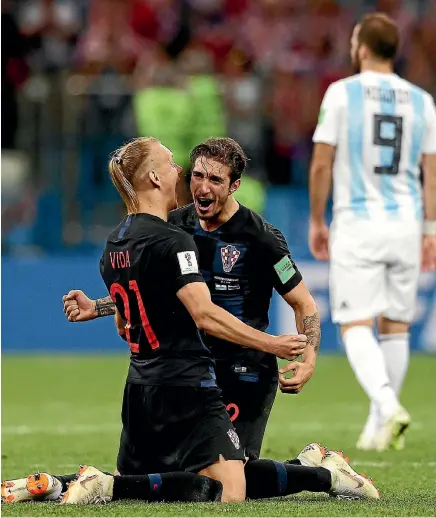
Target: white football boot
{"x":92,"y":487}
{"x":392,"y":429}
{"x":312,"y":455}
{"x":366,"y":440}
{"x":40,"y":486}
{"x":347,"y":483}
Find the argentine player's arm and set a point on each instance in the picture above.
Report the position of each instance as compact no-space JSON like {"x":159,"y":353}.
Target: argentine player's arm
{"x":429,"y":168}
{"x":429,"y":173}
{"x":325,"y":141}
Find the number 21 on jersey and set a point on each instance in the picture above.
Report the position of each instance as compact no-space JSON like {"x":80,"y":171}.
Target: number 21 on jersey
{"x":117,"y":289}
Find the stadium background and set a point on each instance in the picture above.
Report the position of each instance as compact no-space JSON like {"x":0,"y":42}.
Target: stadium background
{"x":79,"y":77}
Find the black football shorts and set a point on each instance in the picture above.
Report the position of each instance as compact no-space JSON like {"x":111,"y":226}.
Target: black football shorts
{"x":249,"y":399}
{"x":174,"y":429}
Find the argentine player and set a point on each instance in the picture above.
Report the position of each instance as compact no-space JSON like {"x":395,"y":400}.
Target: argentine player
{"x":374,"y":132}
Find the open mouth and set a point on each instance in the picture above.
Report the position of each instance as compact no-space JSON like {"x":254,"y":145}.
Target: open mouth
{"x":204,"y":203}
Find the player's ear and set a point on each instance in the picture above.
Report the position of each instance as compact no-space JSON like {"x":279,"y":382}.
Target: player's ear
{"x":235,"y":186}
{"x":363,"y":52}
{"x":154,"y":178}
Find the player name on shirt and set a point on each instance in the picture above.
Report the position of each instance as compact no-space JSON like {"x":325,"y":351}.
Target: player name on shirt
{"x":120,"y":259}
{"x":145,"y":263}
{"x":387,"y":95}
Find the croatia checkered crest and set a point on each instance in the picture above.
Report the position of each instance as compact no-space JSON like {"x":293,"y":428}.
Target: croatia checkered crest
{"x":229,"y":256}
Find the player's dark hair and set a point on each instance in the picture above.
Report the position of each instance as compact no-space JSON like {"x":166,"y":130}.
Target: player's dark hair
{"x":379,"y":33}
{"x":224,"y":150}
{"x":123,"y":166}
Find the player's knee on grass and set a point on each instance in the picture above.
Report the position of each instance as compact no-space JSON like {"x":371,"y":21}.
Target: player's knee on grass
{"x":232,"y":476}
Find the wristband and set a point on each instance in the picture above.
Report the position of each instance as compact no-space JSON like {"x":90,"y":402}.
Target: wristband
{"x":429,"y":228}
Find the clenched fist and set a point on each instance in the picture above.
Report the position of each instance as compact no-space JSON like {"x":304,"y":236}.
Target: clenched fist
{"x":78,"y":307}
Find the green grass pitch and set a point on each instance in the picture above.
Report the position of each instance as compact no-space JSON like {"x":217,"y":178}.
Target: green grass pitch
{"x":58,"y":412}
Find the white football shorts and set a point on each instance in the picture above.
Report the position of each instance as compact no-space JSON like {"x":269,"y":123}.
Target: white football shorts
{"x":374,"y":269}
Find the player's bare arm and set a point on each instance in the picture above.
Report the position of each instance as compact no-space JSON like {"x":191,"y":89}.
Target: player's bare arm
{"x":105,"y":307}
{"x":218,"y":322}
{"x":78,"y":307}
{"x":319,"y":190}
{"x":429,"y":239}
{"x":308,"y":323}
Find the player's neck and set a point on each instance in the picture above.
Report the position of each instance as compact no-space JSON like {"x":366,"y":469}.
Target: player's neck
{"x":381,"y":67}
{"x":229,"y":210}
{"x":155,"y":207}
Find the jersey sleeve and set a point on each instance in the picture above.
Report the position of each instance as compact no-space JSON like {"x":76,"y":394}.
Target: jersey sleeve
{"x":429,"y":142}
{"x":181,"y":261}
{"x":284,"y":271}
{"x":101,"y":263}
{"x":327,"y":129}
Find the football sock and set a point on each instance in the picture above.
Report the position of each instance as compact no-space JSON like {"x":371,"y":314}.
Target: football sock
{"x":168,"y":487}
{"x":270,"y":478}
{"x":297,"y":462}
{"x":65,"y":480}
{"x":395,"y":348}
{"x":368,"y":363}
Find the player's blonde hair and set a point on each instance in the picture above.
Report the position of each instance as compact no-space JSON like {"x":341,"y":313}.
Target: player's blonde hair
{"x":124,"y":165}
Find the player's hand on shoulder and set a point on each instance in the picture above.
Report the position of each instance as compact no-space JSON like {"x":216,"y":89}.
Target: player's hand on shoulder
{"x":319,"y":240}
{"x":428,"y":260}
{"x":302,"y":373}
{"x":289,"y":347}
{"x":78,"y":307}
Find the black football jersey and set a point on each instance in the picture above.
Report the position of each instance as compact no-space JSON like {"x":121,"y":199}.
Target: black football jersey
{"x":242,"y":262}
{"x":145,"y":262}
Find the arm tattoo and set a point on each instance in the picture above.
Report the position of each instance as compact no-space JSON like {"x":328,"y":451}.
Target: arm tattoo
{"x":312,"y":329}
{"x":105,"y":307}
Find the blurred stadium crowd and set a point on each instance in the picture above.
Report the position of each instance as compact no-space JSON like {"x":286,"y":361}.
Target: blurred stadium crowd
{"x":79,"y":77}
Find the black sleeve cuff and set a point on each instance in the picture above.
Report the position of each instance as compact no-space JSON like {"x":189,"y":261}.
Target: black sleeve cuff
{"x":183,"y":280}
{"x":282,"y":289}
